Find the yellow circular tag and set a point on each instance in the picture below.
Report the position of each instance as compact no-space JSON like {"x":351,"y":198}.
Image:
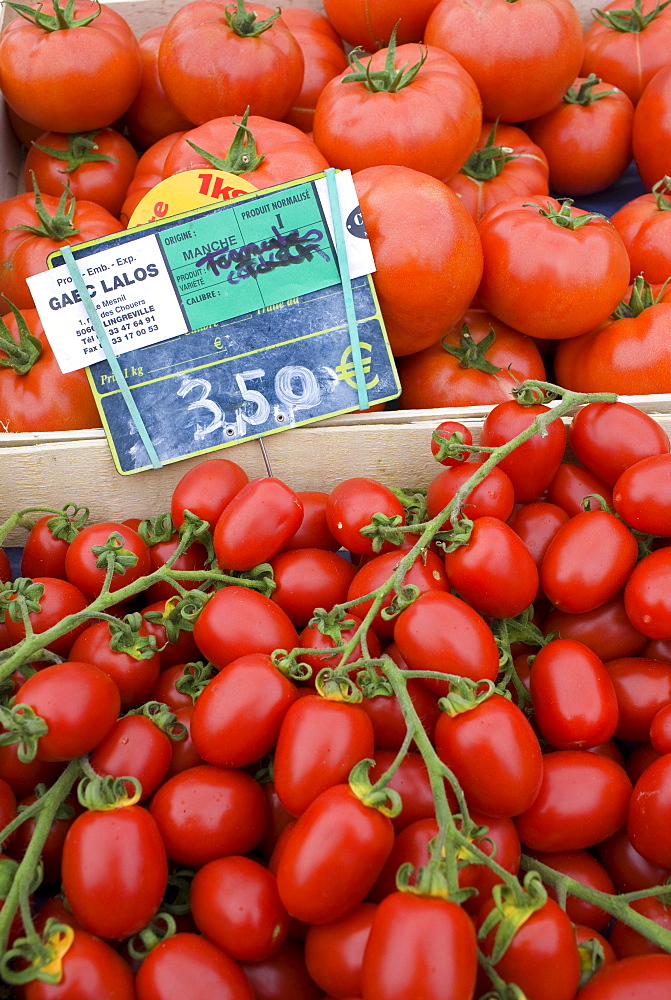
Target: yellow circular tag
{"x":188,"y":190}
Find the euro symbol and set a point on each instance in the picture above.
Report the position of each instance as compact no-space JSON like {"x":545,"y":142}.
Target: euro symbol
{"x":345,"y":369}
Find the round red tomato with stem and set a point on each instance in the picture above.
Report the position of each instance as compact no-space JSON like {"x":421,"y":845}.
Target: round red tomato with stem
{"x":532,"y":465}
{"x":206,"y":489}
{"x":79,"y":704}
{"x":627,"y":46}
{"x":263,"y":151}
{"x":323,"y":57}
{"x":505,"y":162}
{"x":644,"y":223}
{"x":97,"y":165}
{"x":101,"y":545}
{"x":216,"y":60}
{"x":90,"y":968}
{"x":52,"y":223}
{"x":583,"y":799}
{"x":257,"y":522}
{"x":493,"y":496}
{"x":545,"y":939}
{"x":362,"y":115}
{"x":137,"y":746}
{"x":586,"y":137}
{"x":580,"y":251}
{"x":235,"y":904}
{"x":131,"y":661}
{"x":351,"y":506}
{"x":627,"y":354}
{"x":566,"y":719}
{"x":92,"y":50}
{"x":420,"y":946}
{"x":480,"y":360}
{"x":436,"y":274}
{"x":238,"y":715}
{"x":536,"y":48}
{"x":188,"y":964}
{"x":236,"y":621}
{"x":35,"y":395}
{"x":588,"y":561}
{"x":576,"y":489}
{"x":440,"y":632}
{"x":427,"y":573}
{"x":359,"y":835}
{"x":319,"y":742}
{"x":609,"y":437}
{"x":151,"y":116}
{"x":47,"y":542}
{"x":452,"y":433}
{"x":369,"y":23}
{"x":123,"y":844}
{"x":491,"y":568}
{"x":493,"y":752}
{"x":47,"y":601}
{"x":651,"y":131}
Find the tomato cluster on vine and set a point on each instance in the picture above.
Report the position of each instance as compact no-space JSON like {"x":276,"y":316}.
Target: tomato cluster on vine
{"x":371,"y":742}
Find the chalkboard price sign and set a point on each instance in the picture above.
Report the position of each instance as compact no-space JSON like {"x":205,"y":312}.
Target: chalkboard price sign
{"x":232,"y":322}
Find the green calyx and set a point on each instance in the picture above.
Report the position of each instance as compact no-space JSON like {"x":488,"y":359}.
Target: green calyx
{"x":585,"y":93}
{"x":21,"y":354}
{"x":163,"y":718}
{"x":563,"y":217}
{"x":61,"y":19}
{"x":244,"y":23}
{"x":385,"y":800}
{"x":641,"y":298}
{"x":81,"y":149}
{"x":387,"y":80}
{"x":487,"y":163}
{"x":472,"y":355}
{"x":465,"y":695}
{"x":125,"y":637}
{"x":241,"y":157}
{"x":511,"y":910}
{"x":57,"y":227}
{"x":630,"y":19}
{"x":662,"y":193}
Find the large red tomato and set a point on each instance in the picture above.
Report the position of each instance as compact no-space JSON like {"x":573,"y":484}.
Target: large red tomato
{"x":98,"y":165}
{"x":522,"y":55}
{"x":480,"y":360}
{"x":504,"y":163}
{"x":428,"y":257}
{"x":651,"y":132}
{"x":550,"y":270}
{"x":54,"y":222}
{"x":429,"y":121}
{"x":645,"y":227}
{"x":369,"y":23}
{"x":586,"y":137}
{"x":97,"y":65}
{"x":628,"y":46}
{"x":218,"y":59}
{"x":266,"y":152}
